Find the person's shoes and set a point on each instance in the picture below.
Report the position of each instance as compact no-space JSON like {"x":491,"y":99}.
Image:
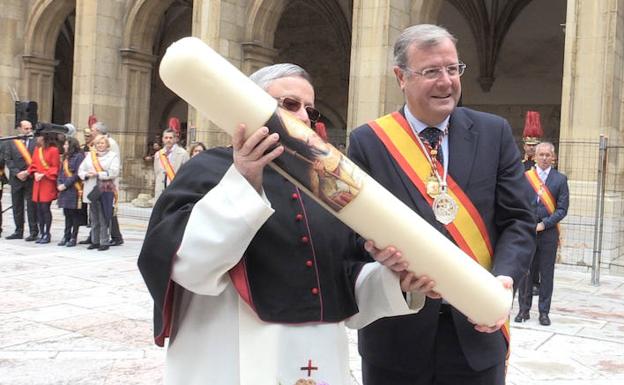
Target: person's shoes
{"x":44,"y":239}
{"x":544,"y":320}
{"x":71,"y":242}
{"x":15,"y":236}
{"x":103,"y":247}
{"x":116,"y":242}
{"x":93,"y":246}
{"x":85,"y":242}
{"x":522,"y":316}
{"x":63,"y":242}
{"x":31,"y":237}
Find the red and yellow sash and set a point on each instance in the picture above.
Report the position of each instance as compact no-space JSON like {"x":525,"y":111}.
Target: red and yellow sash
{"x":468,"y":229}
{"x":542,"y":191}
{"x":98,"y":167}
{"x":77,"y":184}
{"x":42,"y":158}
{"x":96,"y":162}
{"x":23,"y":150}
{"x":166,"y":165}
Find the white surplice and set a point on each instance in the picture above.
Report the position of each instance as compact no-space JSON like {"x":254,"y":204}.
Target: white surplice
{"x":217,"y":339}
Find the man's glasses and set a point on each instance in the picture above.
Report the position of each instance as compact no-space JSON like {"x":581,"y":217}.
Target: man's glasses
{"x":436,"y":72}
{"x":294,"y":105}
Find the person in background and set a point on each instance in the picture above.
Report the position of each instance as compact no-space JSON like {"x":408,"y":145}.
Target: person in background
{"x":3,"y":179}
{"x":151,"y":152}
{"x":531,"y":136}
{"x":100,"y":168}
{"x":44,"y":169}
{"x":468,"y":160}
{"x":18,"y":157}
{"x":167,"y":162}
{"x":551,"y":197}
{"x":70,"y":188}
{"x":99,"y":128}
{"x":196,"y":148}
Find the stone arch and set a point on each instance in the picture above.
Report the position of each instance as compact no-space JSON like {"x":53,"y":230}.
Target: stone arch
{"x":141,"y":28}
{"x":262,"y":19}
{"x":425,"y":11}
{"x":143,"y":23}
{"x":145,"y":26}
{"x":43,"y":26}
{"x":264,"y":45}
{"x":41,"y":33}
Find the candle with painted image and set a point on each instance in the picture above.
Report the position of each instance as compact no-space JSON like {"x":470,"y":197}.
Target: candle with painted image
{"x":226,"y":96}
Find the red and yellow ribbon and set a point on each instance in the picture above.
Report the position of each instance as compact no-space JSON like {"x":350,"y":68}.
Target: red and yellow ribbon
{"x":77,"y":184}
{"x":542,"y":191}
{"x":42,"y":158}
{"x":166,"y":165}
{"x":23,"y":150}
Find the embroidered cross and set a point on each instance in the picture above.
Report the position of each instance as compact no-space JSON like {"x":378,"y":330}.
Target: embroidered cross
{"x":309,"y":368}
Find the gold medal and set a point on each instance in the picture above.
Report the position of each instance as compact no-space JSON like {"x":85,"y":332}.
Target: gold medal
{"x":433,"y":186}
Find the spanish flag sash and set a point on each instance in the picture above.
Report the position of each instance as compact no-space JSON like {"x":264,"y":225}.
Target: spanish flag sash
{"x":96,"y":162}
{"x":23,"y":150}
{"x":42,"y":158}
{"x":542,"y":191}
{"x":468,"y":229}
{"x":77,"y":184}
{"x":166,"y":165}
{"x":98,"y":167}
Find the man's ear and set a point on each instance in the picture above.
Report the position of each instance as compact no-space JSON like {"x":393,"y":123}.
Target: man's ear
{"x":400,"y":76}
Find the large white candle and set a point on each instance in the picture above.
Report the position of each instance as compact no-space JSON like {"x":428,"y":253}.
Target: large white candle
{"x":227,"y":97}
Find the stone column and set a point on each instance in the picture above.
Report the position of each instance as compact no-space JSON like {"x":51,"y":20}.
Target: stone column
{"x":591,"y":106}
{"x":38,"y":85}
{"x":97,"y":64}
{"x":256,"y":56}
{"x":373,"y":90}
{"x":137,"y":76}
{"x":218,"y":23}
{"x":11,"y":48}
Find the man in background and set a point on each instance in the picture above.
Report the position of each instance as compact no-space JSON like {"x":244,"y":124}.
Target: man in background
{"x":18,"y":156}
{"x":551,"y":198}
{"x":167,"y":162}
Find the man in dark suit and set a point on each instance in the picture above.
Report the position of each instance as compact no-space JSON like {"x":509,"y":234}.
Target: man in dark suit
{"x":551,"y":198}
{"x":3,"y":180}
{"x":18,"y":157}
{"x":460,"y":150}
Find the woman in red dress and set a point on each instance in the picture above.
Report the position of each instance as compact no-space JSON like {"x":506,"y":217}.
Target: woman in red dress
{"x":45,"y":168}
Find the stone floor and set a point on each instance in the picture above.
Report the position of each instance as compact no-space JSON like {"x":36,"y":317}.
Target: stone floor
{"x":74,"y":316}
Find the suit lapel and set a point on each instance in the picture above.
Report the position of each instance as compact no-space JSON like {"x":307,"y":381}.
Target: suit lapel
{"x":462,"y":144}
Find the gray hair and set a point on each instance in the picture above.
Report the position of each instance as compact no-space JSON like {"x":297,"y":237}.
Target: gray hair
{"x":100,"y":127}
{"x":264,"y":76}
{"x":546,"y":144}
{"x":423,"y":35}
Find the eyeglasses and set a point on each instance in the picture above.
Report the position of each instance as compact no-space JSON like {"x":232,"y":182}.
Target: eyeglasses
{"x":436,"y":72}
{"x":294,"y":105}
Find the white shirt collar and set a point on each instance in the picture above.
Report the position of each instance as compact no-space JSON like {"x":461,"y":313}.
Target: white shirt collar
{"x":418,"y":126}
{"x":543,"y":173}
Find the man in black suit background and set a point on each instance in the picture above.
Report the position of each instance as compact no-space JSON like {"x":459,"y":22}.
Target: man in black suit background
{"x":426,"y":154}
{"x":551,"y":197}
{"x":17,"y":155}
